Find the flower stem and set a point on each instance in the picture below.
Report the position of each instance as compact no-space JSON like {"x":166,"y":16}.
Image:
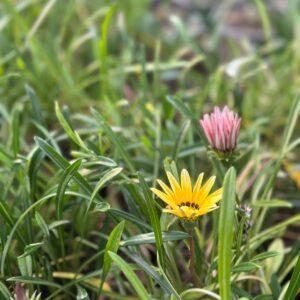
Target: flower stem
{"x":192,"y":258}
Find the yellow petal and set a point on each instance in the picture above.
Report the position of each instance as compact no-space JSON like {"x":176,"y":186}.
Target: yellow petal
{"x":186,"y":186}
{"x":212,"y":198}
{"x":165,"y":188}
{"x":206,"y":210}
{"x":175,"y":187}
{"x":185,"y":180}
{"x":197,"y":187}
{"x":167,"y":199}
{"x":204,"y":191}
{"x":176,"y":212}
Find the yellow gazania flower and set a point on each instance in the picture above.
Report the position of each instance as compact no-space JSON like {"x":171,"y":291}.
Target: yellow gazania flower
{"x":187,"y":202}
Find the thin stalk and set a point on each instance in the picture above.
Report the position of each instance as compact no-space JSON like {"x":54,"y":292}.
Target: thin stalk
{"x":192,"y":258}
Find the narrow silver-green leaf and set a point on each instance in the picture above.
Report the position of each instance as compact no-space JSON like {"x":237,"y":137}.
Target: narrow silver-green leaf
{"x":245,"y":267}
{"x":149,"y":238}
{"x":265,"y":255}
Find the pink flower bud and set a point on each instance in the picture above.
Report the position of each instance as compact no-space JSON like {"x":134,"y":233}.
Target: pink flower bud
{"x":20,"y":292}
{"x":221,"y":129}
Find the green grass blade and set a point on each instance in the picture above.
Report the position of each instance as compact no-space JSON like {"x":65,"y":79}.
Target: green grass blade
{"x":67,"y":175}
{"x":4,"y":292}
{"x":112,"y":246}
{"x":226,"y":226}
{"x":153,"y":219}
{"x":131,"y":276}
{"x":275,"y":230}
{"x":132,"y":189}
{"x":294,"y":284}
{"x":130,"y":217}
{"x":62,"y":163}
{"x":114,"y":140}
{"x":42,"y":224}
{"x":15,"y":129}
{"x":105,"y":178}
{"x":264,"y":255}
{"x":73,"y":135}
{"x":291,"y":123}
{"x":288,"y":131}
{"x":35,"y":104}
{"x":15,"y":228}
{"x":182,"y":134}
{"x":7,"y":216}
{"x":263,"y":13}
{"x":272,"y":203}
{"x":180,"y":106}
{"x":5,"y":157}
{"x":165,"y":284}
{"x":33,"y":164}
{"x":33,"y":280}
{"x":197,"y":293}
{"x":104,"y":33}
{"x":245,"y":267}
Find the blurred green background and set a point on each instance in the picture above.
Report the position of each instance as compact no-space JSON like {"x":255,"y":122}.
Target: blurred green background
{"x":94,"y":53}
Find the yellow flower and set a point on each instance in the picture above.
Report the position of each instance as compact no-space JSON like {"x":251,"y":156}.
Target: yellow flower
{"x":187,"y":202}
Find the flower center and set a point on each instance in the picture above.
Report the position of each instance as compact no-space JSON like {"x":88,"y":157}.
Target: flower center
{"x":189,"y":204}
